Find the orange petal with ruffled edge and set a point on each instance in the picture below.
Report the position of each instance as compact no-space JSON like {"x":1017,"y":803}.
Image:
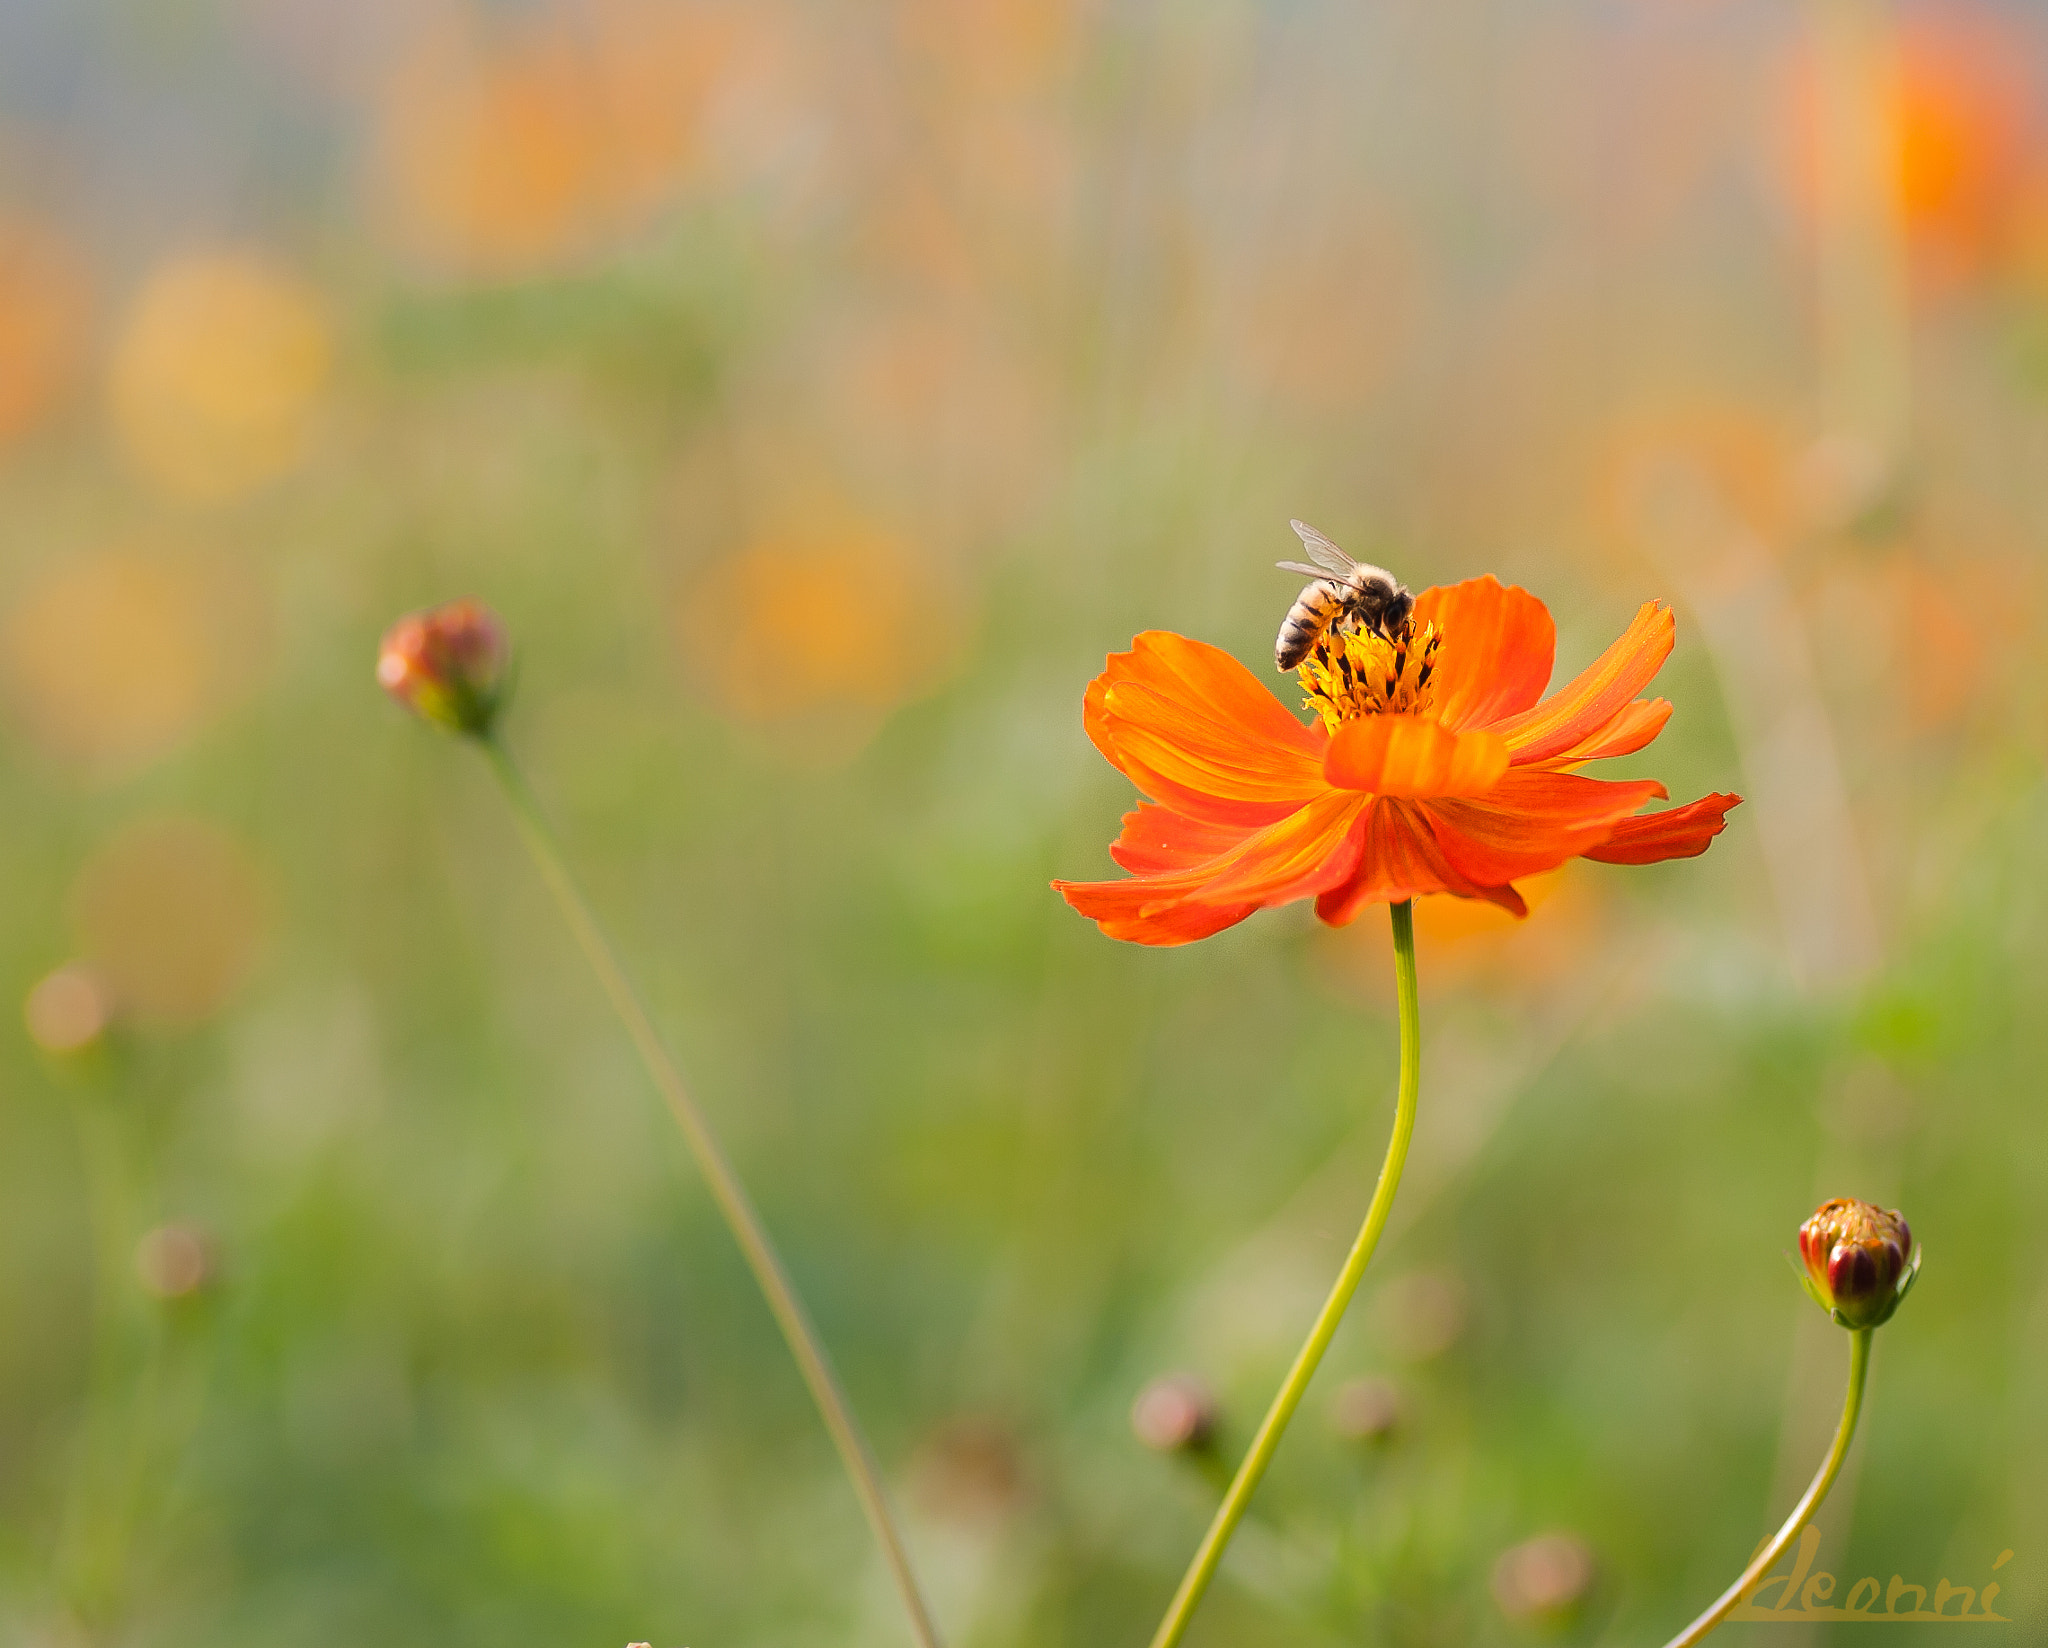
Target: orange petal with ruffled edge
{"x":1312,"y":849}
{"x":1499,"y":644}
{"x":1533,"y":822}
{"x":1132,"y":910}
{"x":1399,"y":859}
{"x":1589,"y":703}
{"x":1158,"y":841}
{"x":1633,"y":729}
{"x":1680,"y":832}
{"x":1194,"y":729}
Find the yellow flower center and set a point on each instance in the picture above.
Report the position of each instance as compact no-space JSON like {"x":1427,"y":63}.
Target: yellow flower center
{"x":1358,"y":672}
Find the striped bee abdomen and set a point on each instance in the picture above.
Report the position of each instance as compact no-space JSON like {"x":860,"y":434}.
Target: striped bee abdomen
{"x":1314,"y":610}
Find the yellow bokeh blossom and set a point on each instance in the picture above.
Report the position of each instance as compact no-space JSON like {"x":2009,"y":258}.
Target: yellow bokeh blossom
{"x":215,"y":374}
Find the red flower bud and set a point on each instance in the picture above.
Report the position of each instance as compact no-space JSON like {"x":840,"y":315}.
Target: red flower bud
{"x":447,"y":665}
{"x":1860,"y":1261}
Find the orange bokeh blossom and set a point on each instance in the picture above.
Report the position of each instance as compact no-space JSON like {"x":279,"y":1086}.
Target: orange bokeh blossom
{"x":1430,"y":767}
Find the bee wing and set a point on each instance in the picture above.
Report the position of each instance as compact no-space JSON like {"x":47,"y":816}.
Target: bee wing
{"x":1321,"y":551}
{"x":1303,"y":568}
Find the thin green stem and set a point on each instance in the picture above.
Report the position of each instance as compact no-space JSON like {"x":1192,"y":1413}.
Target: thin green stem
{"x":1267,"y":1442}
{"x":1802,"y":1513}
{"x":727,"y":1191}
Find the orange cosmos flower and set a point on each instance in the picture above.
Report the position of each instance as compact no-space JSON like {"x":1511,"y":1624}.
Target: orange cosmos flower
{"x":1431,"y":767}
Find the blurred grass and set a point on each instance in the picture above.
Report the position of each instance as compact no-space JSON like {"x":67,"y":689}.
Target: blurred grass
{"x":1074,"y":310}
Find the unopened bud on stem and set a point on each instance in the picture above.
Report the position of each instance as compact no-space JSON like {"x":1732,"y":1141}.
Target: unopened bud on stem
{"x":447,"y":666}
{"x":1860,"y":1261}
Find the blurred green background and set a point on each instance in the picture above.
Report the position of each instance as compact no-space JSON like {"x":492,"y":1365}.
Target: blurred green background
{"x":353,"y":1287}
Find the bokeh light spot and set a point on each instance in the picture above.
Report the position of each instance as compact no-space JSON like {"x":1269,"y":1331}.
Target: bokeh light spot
{"x":1543,"y":1580}
{"x":170,"y":911}
{"x":173,"y":1262}
{"x":1173,"y":1412}
{"x":110,"y":659}
{"x":511,"y":150}
{"x":43,"y":307}
{"x":216,"y":371}
{"x":1960,"y":118}
{"x":1366,"y":1410}
{"x":1423,"y":1314}
{"x":969,"y":1472}
{"x":67,"y":1010}
{"x":833,"y":617}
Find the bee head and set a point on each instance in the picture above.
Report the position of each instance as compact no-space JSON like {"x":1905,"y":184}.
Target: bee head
{"x":1384,"y":603}
{"x":1400,"y":604}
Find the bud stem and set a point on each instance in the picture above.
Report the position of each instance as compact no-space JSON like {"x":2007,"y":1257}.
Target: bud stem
{"x":1267,"y":1442}
{"x":727,"y":1191}
{"x":1802,"y":1513}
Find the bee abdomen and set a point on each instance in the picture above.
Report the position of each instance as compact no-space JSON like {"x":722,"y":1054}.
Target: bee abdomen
{"x":1305,"y":622}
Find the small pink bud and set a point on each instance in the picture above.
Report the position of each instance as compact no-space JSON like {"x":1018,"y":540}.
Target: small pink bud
{"x":174,"y":1261}
{"x":1543,"y":1581}
{"x":1174,"y":1414}
{"x":1860,"y":1261}
{"x":447,"y":666}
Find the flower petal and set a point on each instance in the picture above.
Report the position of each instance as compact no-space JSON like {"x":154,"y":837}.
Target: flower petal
{"x":1531,"y":822}
{"x":1194,"y":729}
{"x":1679,"y":832}
{"x":1400,"y":859}
{"x":1157,"y":841}
{"x":1131,"y":910}
{"x":1313,"y":848}
{"x":1587,"y":704}
{"x":1412,"y":755}
{"x":1634,"y":728}
{"x":1498,"y":647}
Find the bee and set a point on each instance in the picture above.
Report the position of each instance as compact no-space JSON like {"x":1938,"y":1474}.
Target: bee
{"x":1344,"y":594}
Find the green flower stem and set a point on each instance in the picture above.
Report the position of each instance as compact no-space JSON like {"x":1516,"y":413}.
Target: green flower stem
{"x":726,"y":1190}
{"x":1802,"y":1513}
{"x":1267,"y":1442}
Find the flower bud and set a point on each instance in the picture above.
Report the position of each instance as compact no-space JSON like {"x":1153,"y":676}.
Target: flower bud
{"x":174,"y":1261}
{"x":1544,"y":1581}
{"x":1860,"y":1261}
{"x":448,"y":666}
{"x":1175,"y":1414}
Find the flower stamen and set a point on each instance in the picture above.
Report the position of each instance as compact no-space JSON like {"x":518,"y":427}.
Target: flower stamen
{"x":1354,"y":672}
